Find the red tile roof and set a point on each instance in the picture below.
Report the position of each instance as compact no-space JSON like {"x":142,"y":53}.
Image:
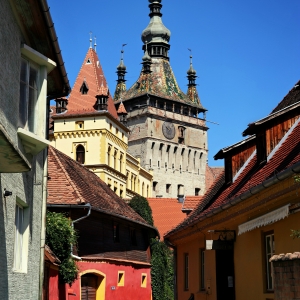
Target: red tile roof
{"x":122,"y":109}
{"x":92,"y":75}
{"x":71,"y":183}
{"x":166,"y":213}
{"x":211,"y":174}
{"x":190,"y":202}
{"x":292,"y":97}
{"x":50,"y":256}
{"x":287,"y":154}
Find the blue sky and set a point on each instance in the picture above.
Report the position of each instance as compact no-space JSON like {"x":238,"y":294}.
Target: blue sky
{"x":246,"y":53}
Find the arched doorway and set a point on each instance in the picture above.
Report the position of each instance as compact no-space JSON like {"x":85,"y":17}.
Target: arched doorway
{"x":92,"y":287}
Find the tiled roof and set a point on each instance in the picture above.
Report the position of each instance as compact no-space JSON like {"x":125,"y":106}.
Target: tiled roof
{"x":50,"y":256}
{"x":166,"y":213}
{"x":71,"y":183}
{"x":292,"y":97}
{"x":211,"y":174}
{"x":286,"y":155}
{"x":190,"y":202}
{"x":160,"y":82}
{"x":90,"y":74}
{"x":287,"y":256}
{"x":122,"y":109}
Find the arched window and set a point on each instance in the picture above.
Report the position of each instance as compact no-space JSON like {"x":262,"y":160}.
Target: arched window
{"x":108,"y":155}
{"x":80,"y":154}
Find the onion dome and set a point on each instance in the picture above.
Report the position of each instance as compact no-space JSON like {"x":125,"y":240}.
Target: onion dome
{"x":121,"y":66}
{"x":156,"y":34}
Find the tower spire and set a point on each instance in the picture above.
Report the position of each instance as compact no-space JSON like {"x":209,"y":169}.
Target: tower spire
{"x":156,"y":35}
{"x":95,"y":44}
{"x":91,"y":40}
{"x":192,"y":89}
{"x":147,"y":61}
{"x":121,"y":81}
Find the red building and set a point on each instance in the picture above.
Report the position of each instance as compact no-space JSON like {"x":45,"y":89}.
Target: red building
{"x":113,"y":254}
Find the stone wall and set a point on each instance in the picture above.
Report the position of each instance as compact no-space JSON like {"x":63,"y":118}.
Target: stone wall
{"x":286,"y":272}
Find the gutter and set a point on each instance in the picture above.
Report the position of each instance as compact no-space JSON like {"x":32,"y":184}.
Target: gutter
{"x":75,"y":221}
{"x":294,"y":169}
{"x":57,"y":50}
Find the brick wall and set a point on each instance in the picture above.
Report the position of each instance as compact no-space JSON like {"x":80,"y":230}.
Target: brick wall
{"x":286,"y":279}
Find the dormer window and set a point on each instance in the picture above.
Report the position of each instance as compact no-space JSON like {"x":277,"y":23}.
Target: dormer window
{"x":88,"y":61}
{"x":84,"y":88}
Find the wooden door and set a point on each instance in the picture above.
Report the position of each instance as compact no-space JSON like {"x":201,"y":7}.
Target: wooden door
{"x":89,"y":285}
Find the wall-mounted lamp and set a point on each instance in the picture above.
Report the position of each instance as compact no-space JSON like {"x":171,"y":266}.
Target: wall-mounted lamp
{"x":7,"y":193}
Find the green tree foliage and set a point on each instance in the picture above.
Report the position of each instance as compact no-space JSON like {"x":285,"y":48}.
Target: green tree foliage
{"x":162,"y":272}
{"x":140,"y":205}
{"x":59,"y":237}
{"x":295,"y":234}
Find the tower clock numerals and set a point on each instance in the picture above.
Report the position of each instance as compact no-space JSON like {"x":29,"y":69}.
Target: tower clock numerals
{"x":168,"y":130}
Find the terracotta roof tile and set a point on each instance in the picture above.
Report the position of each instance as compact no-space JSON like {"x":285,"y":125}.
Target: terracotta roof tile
{"x":292,"y":97}
{"x":71,"y":183}
{"x":286,"y":155}
{"x":211,"y":174}
{"x":50,"y":256}
{"x":122,"y":109}
{"x":166,"y":213}
{"x":190,"y":202}
{"x":287,"y":256}
{"x":92,"y":75}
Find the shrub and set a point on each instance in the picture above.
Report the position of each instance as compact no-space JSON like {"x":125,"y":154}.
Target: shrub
{"x":140,"y":205}
{"x":59,"y":237}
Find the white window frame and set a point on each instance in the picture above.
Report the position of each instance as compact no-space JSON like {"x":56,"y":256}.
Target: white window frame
{"x":21,"y":229}
{"x":268,"y":255}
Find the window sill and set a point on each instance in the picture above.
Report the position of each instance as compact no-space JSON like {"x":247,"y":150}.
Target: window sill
{"x":32,"y":143}
{"x":11,"y":157}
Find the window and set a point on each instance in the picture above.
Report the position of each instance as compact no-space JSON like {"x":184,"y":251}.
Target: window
{"x":108,"y":155}
{"x":144,"y":280}
{"x":154,"y":186}
{"x":115,"y":159}
{"x":116,"y":233}
{"x":197,"y":191}
{"x":201,"y":269}
{"x":121,"y":278}
{"x":79,"y":125}
{"x":19,"y":224}
{"x":29,"y":76}
{"x":269,"y":252}
{"x":84,"y":88}
{"x":121,"y":162}
{"x":168,"y":186}
{"x":186,"y":271}
{"x":21,"y":237}
{"x":80,"y":154}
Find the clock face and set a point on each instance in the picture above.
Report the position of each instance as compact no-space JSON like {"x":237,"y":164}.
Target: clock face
{"x":168,"y":130}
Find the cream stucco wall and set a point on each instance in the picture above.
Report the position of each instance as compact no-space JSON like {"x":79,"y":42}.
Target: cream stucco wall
{"x":105,"y":142}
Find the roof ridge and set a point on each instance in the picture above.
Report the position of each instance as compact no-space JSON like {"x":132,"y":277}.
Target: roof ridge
{"x":66,"y":173}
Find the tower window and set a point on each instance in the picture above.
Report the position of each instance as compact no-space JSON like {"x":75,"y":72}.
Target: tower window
{"x":168,"y":188}
{"x":197,"y":191}
{"x":80,"y":154}
{"x":154,"y":186}
{"x":84,"y":88}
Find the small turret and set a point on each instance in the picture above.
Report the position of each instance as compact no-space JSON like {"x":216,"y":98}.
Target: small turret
{"x":122,"y":114}
{"x":147,"y":61}
{"x":121,"y":81}
{"x":192,"y":89}
{"x":102,"y":98}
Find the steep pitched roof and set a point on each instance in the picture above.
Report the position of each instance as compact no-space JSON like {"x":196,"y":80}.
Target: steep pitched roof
{"x":291,"y":98}
{"x":160,"y":82}
{"x":166,"y":213}
{"x":90,"y":77}
{"x":286,"y":155}
{"x":71,"y":183}
{"x":211,"y":174}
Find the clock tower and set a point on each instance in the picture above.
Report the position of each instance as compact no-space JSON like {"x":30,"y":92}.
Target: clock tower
{"x":168,"y":127}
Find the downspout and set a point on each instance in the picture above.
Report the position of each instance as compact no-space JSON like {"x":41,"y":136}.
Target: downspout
{"x":169,"y":244}
{"x":75,"y":221}
{"x":43,"y":222}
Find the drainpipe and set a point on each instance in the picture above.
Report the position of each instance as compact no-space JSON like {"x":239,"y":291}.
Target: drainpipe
{"x":169,"y":244}
{"x":75,"y":221}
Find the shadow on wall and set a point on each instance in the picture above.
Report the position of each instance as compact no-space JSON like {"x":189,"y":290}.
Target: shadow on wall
{"x":3,"y":260}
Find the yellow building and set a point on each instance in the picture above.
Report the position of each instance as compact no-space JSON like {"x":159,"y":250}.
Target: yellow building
{"x":224,"y":246}
{"x":88,"y":128}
